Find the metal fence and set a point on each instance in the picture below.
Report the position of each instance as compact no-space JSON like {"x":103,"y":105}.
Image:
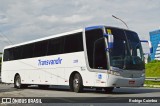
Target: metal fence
{"x":152,"y":79}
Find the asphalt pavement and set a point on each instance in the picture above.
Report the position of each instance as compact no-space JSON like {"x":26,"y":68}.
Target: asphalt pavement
{"x":62,"y":94}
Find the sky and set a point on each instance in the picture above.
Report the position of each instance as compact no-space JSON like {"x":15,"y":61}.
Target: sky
{"x":24,"y":20}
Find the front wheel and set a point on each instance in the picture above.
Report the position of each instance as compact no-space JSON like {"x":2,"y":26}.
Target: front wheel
{"x":77,"y":83}
{"x":18,"y":84}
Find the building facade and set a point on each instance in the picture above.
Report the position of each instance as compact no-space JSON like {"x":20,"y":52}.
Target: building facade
{"x":155,"y":40}
{"x":157,"y":55}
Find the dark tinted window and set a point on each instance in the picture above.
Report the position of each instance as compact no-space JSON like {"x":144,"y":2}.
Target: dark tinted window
{"x":120,"y":48}
{"x":56,"y":46}
{"x":60,"y":45}
{"x":100,"y":57}
{"x":120,"y":43}
{"x":17,"y":53}
{"x":40,"y":48}
{"x":12,"y":54}
{"x":91,"y":37}
{"x":8,"y":55}
{"x":27,"y":51}
{"x":73,"y":43}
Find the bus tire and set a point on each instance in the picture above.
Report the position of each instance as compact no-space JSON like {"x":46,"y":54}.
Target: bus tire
{"x":18,"y":84}
{"x":77,"y":83}
{"x":71,"y":86}
{"x":108,"y":89}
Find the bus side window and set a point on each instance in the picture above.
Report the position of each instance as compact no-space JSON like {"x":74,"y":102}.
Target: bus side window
{"x":40,"y":48}
{"x":73,"y":43}
{"x":99,"y":55}
{"x":91,"y":37}
{"x":6,"y":56}
{"x":27,"y":51}
{"x":17,"y":53}
{"x":55,"y":46}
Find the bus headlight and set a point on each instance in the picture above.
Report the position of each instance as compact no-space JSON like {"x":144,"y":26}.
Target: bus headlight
{"x":116,"y":73}
{"x":113,"y":73}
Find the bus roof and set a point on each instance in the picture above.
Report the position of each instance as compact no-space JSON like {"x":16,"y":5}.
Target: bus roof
{"x":94,"y":27}
{"x":62,"y":34}
{"x":44,"y":38}
{"x":101,"y":26}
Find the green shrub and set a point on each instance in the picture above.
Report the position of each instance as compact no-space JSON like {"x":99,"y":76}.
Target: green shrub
{"x":154,"y":61}
{"x":153,"y":69}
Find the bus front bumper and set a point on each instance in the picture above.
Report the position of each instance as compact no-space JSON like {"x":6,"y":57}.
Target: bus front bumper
{"x":119,"y":81}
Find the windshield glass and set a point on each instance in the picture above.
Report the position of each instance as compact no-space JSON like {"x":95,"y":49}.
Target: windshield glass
{"x":127,"y":50}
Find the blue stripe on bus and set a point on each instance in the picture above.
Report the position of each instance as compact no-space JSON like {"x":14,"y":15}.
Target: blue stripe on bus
{"x":144,"y":40}
{"x":93,"y":27}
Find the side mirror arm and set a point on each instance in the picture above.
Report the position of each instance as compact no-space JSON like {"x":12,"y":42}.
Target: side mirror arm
{"x":110,"y":40}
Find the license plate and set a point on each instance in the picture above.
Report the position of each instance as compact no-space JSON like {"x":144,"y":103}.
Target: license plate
{"x":131,"y":82}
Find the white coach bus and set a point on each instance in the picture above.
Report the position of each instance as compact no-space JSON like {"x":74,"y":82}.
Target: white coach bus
{"x":101,"y":57}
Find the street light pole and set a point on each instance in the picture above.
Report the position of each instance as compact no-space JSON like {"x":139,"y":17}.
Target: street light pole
{"x":120,"y":20}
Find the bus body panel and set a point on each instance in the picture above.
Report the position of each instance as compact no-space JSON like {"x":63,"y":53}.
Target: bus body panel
{"x":119,"y":81}
{"x":34,"y":72}
{"x":59,"y":74}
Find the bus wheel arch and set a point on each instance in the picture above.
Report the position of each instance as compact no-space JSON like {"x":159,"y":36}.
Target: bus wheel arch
{"x":76,"y":77}
{"x":16,"y":75}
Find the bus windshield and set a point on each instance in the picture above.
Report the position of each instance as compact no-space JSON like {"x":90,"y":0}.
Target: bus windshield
{"x":127,"y":50}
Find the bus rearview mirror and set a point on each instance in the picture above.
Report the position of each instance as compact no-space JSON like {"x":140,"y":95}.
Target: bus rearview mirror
{"x":149,"y":44}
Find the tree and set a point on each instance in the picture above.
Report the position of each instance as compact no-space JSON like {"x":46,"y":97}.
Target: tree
{"x":0,"y":61}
